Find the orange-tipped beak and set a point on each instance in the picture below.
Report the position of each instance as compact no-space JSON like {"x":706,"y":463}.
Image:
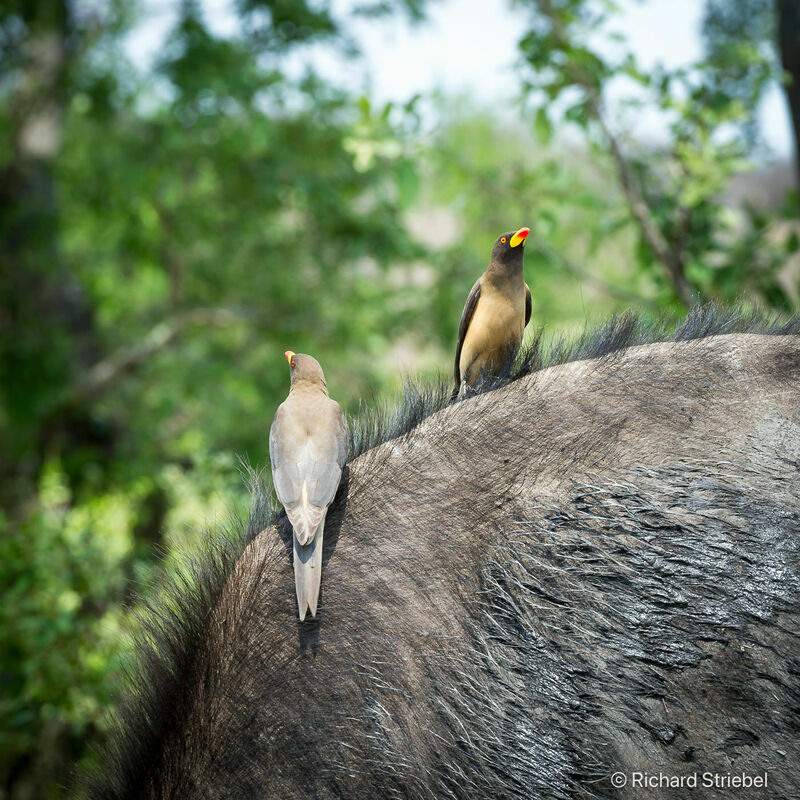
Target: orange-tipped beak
{"x":519,"y":237}
{"x":289,"y":354}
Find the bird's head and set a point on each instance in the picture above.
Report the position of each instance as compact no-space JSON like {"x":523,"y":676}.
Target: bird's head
{"x":508,"y":247}
{"x":305,"y":369}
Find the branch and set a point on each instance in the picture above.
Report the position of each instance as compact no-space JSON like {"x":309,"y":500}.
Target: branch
{"x":788,"y":24}
{"x":642,"y":215}
{"x":106,"y":372}
{"x":639,"y":209}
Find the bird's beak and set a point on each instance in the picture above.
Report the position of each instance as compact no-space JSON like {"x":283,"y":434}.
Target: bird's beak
{"x":289,"y":354}
{"x":519,"y":237}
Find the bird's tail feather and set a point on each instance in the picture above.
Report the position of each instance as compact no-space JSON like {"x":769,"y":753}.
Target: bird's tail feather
{"x":308,"y":571}
{"x":305,"y":519}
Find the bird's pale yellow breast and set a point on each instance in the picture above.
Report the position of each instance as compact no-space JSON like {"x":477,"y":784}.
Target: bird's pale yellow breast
{"x":495,"y":330}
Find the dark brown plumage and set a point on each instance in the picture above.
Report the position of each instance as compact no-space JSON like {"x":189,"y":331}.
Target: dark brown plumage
{"x":307,"y":448}
{"x":495,"y":315}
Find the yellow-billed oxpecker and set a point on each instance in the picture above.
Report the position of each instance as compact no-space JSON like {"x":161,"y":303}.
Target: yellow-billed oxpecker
{"x":307,"y":448}
{"x":494,"y":318}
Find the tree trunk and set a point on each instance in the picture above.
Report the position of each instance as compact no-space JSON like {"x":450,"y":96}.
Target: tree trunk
{"x":47,"y":332}
{"x":788,"y":23}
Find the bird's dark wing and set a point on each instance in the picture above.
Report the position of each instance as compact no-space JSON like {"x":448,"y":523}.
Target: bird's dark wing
{"x":466,"y":318}
{"x":528,"y":304}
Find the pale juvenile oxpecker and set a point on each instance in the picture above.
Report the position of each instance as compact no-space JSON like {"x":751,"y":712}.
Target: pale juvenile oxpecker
{"x":307,"y":448}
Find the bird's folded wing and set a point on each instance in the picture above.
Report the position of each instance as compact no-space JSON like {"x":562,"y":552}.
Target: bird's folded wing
{"x":312,"y":485}
{"x":323,"y":481}
{"x":342,"y":435}
{"x":306,"y":470}
{"x":466,"y":318}
{"x":285,"y":462}
{"x":528,"y":304}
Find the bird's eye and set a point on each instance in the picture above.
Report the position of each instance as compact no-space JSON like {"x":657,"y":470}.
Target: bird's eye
{"x":292,"y":364}
{"x":503,"y":239}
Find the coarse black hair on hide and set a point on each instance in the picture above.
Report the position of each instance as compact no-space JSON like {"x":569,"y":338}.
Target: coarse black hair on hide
{"x":377,"y":424}
{"x":172,"y":626}
{"x":575,"y":564}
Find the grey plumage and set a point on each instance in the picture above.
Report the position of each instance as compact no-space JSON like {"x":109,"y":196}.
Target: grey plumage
{"x":307,"y":448}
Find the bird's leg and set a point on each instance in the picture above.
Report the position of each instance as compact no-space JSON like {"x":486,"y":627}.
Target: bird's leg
{"x":466,"y":390}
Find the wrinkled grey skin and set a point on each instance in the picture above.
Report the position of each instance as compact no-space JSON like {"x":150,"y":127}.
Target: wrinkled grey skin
{"x":592,"y":570}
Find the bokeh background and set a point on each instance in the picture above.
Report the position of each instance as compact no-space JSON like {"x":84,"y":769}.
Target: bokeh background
{"x":188,"y":188}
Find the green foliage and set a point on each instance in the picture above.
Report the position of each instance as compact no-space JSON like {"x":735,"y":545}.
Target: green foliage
{"x":689,"y":239}
{"x":57,"y":631}
{"x":502,"y":178}
{"x":200,"y":219}
{"x":740,"y":42}
{"x":193,"y":220}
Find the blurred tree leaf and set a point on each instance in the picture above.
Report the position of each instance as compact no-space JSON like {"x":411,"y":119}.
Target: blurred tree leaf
{"x":674,"y":200}
{"x":173,"y":234}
